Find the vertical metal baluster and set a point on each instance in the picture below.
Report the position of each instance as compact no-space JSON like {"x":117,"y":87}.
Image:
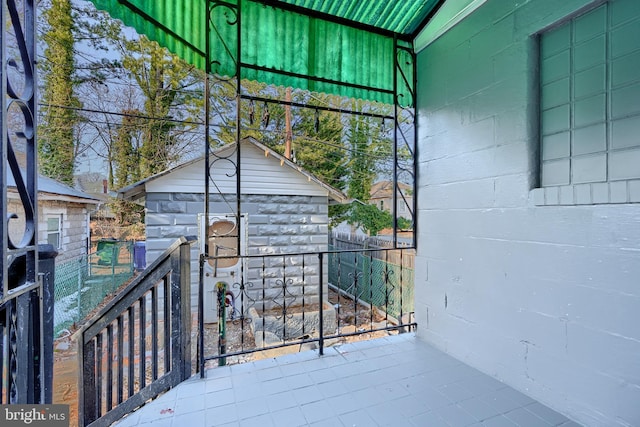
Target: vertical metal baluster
{"x":371,"y":304}
{"x":284,"y":298}
{"x":339,"y":254}
{"x":201,"y":261}
{"x":109,"y":367}
{"x":356,"y":276}
{"x":120,"y":353}
{"x":303,"y":297}
{"x":87,"y":358}
{"x":401,"y":284}
{"x":154,"y":333}
{"x":3,"y":332}
{"x":264,"y":314}
{"x":132,"y":354}
{"x":99,"y":354}
{"x":142,"y":323}
{"x":386,"y":288}
{"x":167,"y":325}
{"x":242,"y":291}
{"x":242,"y":320}
{"x":320,"y":296}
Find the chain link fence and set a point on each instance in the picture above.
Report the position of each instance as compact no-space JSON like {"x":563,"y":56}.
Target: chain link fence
{"x":384,"y":278}
{"x":82,"y":283}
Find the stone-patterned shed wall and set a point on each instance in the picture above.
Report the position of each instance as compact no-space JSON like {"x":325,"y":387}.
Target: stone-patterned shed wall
{"x":276,"y":225}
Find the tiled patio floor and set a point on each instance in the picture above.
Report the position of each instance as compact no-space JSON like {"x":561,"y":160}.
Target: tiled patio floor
{"x":394,"y":381}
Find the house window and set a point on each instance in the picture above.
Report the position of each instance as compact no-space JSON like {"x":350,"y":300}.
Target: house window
{"x":54,"y":230}
{"x":590,"y":114}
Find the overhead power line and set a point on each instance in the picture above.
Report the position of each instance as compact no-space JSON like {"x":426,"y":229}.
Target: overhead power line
{"x":113,"y":113}
{"x":298,"y":137}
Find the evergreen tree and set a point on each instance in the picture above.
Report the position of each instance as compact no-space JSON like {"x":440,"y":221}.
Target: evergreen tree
{"x":57,"y":143}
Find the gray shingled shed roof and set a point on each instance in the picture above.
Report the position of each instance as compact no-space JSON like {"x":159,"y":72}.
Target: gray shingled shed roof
{"x":51,"y":186}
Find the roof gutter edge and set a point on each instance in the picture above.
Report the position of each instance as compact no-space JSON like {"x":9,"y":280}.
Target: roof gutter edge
{"x":453,"y":15}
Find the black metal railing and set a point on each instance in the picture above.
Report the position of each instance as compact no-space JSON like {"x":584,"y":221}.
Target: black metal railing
{"x":275,"y":302}
{"x":139,"y":345}
{"x":26,"y":335}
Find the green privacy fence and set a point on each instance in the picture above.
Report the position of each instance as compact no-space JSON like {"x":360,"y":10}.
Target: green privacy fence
{"x":381,"y":278}
{"x":82,"y":283}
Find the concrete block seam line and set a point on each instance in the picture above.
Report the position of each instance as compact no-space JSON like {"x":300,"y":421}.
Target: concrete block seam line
{"x":526,"y":359}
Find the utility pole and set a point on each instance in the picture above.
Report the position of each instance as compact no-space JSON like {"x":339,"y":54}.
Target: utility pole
{"x":287,"y":124}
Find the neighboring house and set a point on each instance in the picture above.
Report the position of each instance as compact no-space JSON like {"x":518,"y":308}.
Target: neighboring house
{"x":528,"y":260}
{"x":284,"y":209}
{"x":63,"y":217}
{"x":345,"y":228}
{"x":381,"y":195}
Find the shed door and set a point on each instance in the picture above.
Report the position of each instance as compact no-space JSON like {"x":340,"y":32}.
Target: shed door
{"x":221,"y":232}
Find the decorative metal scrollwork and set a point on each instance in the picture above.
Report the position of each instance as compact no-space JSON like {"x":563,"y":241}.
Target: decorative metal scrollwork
{"x":222,"y":16}
{"x":13,"y":351}
{"x":387,"y":274}
{"x":216,"y":161}
{"x":20,"y":95}
{"x":246,"y":302}
{"x":284,"y":294}
{"x":405,"y":119}
{"x":353,"y":288}
{"x":405,"y":58}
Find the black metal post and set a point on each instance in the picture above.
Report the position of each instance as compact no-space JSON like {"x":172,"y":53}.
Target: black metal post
{"x":181,"y":311}
{"x":47,"y":266}
{"x":200,"y":350}
{"x":185,"y":307}
{"x":26,"y":350}
{"x":238,"y":123}
{"x":320,"y":305}
{"x":396,"y":125}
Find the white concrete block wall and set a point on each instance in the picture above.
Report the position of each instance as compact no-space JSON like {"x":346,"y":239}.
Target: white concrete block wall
{"x":276,"y":224}
{"x":544,"y":296}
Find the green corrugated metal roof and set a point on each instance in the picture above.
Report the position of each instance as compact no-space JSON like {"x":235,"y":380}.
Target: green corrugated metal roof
{"x":399,"y":16}
{"x":343,"y":45}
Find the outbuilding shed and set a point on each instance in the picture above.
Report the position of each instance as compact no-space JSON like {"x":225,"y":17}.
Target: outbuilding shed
{"x":284,"y":211}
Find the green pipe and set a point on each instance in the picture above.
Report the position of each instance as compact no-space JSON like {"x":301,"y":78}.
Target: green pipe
{"x":222,"y":321}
